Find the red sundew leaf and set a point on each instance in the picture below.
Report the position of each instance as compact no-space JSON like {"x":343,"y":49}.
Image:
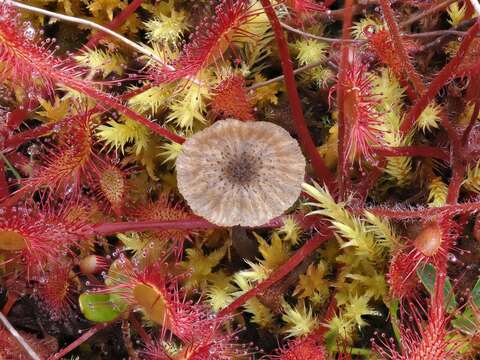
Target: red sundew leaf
{"x":424,"y":334}
{"x":210,"y":342}
{"x":112,"y":186}
{"x":41,"y":235}
{"x":382,"y":45}
{"x":30,"y":63}
{"x":231,"y":100}
{"x":69,"y":164}
{"x":55,"y":289}
{"x":203,"y":337}
{"x":210,"y":41}
{"x":156,"y":351}
{"x":471,"y":62}
{"x":401,"y":278}
{"x":303,"y":348}
{"x":431,"y":246}
{"x":435,"y":241}
{"x":160,"y":296}
{"x":360,"y":114}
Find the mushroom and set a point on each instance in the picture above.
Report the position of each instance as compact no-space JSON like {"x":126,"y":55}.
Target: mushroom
{"x":240,"y":173}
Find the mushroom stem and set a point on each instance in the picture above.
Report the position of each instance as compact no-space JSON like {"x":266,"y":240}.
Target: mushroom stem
{"x":323,"y":173}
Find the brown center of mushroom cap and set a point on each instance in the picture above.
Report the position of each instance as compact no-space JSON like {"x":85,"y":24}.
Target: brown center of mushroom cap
{"x":243,"y":168}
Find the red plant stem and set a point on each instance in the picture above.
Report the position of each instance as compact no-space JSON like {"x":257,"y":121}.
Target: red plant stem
{"x":413,"y":75}
{"x":398,"y":44}
{"x":342,"y":155}
{"x":110,"y":101}
{"x":473,"y":120}
{"x":451,"y":209}
{"x":194,"y":222}
{"x":19,"y":115}
{"x":423,"y":14}
{"x":131,"y":93}
{"x":116,"y":22}
{"x":460,"y":147}
{"x":454,"y":138}
{"x":439,"y":81}
{"x":423,"y":151}
{"x":456,"y":161}
{"x":309,"y":247}
{"x":409,"y":90}
{"x":458,"y":171}
{"x":20,"y":138}
{"x":323,"y":173}
{"x":87,"y":335}
{"x":16,"y":117}
{"x":118,"y":227}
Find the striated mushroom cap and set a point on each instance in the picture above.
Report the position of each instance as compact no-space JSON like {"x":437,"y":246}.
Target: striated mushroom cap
{"x":240,"y":173}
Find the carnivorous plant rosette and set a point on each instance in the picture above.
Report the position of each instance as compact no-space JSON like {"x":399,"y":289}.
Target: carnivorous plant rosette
{"x":240,"y":173}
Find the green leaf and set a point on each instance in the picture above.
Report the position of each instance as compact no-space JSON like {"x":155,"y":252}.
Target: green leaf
{"x":466,"y":322}
{"x":427,"y":275}
{"x":101,"y":307}
{"x":476,"y":294}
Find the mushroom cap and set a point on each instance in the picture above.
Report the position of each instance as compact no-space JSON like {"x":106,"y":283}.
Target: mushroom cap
{"x":240,"y":173}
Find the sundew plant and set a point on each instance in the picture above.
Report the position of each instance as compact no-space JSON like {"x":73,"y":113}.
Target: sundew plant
{"x":239,"y":179}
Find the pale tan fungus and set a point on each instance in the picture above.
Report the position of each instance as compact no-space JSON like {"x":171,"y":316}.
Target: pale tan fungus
{"x":240,"y":173}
